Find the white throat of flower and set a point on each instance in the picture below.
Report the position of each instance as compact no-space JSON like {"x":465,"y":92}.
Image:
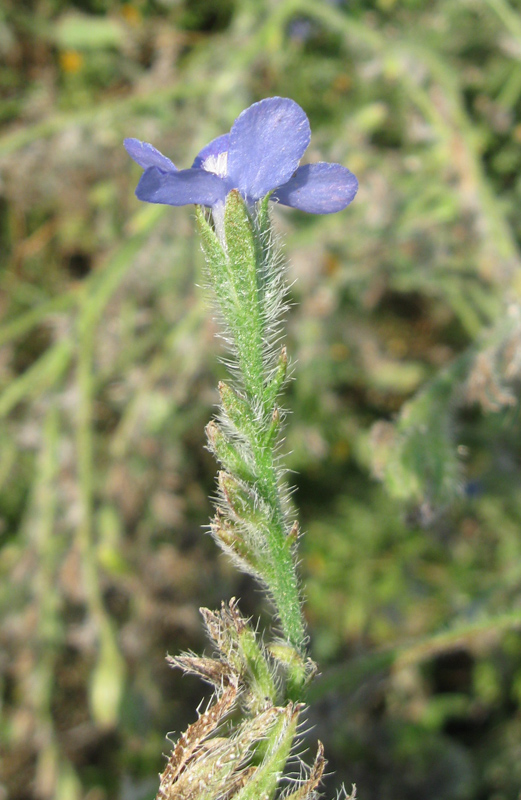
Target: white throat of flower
{"x":217,"y":164}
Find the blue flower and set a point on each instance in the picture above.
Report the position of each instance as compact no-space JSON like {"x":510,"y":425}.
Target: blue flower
{"x":261,"y":154}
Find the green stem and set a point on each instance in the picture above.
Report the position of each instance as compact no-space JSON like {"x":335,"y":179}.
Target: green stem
{"x":245,"y":277}
{"x":285,"y":584}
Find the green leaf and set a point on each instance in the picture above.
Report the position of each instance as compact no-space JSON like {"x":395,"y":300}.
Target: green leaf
{"x":299,"y":670}
{"x":243,"y":501}
{"x":258,"y":676}
{"x":228,"y":454}
{"x":215,"y":255}
{"x":278,"y":748}
{"x":236,"y":409}
{"x":232,"y":540}
{"x":416,"y":456}
{"x":244,"y":314}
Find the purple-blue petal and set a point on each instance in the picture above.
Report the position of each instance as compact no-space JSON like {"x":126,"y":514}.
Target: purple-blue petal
{"x":318,"y":188}
{"x":147,"y":156}
{"x":267,"y":142}
{"x":216,"y":148}
{"x":181,"y":188}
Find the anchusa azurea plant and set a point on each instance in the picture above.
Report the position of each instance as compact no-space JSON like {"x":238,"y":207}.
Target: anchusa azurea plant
{"x":240,"y":746}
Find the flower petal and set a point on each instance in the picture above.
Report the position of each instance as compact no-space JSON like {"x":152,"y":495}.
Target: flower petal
{"x":181,"y":188}
{"x":267,"y":142}
{"x":318,"y":188}
{"x":217,"y":147}
{"x":147,"y":156}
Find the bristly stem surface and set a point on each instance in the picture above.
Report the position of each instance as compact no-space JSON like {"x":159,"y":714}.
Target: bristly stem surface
{"x":253,"y":522}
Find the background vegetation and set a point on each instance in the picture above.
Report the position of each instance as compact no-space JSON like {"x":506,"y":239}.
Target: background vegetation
{"x":404,"y":436}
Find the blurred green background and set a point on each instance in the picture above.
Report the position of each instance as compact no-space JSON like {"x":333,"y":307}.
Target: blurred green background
{"x":404,"y":438}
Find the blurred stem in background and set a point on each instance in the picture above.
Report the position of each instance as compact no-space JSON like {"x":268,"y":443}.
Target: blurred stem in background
{"x":54,"y":773}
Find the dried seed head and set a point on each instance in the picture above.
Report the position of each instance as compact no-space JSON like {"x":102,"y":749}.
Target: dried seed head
{"x":212,"y":670}
{"x":191,"y":740}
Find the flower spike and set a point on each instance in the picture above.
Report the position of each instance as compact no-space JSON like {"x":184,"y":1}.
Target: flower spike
{"x":244,"y":743}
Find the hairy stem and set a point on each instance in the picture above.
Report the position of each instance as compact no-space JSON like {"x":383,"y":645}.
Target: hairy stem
{"x":253,"y":521}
